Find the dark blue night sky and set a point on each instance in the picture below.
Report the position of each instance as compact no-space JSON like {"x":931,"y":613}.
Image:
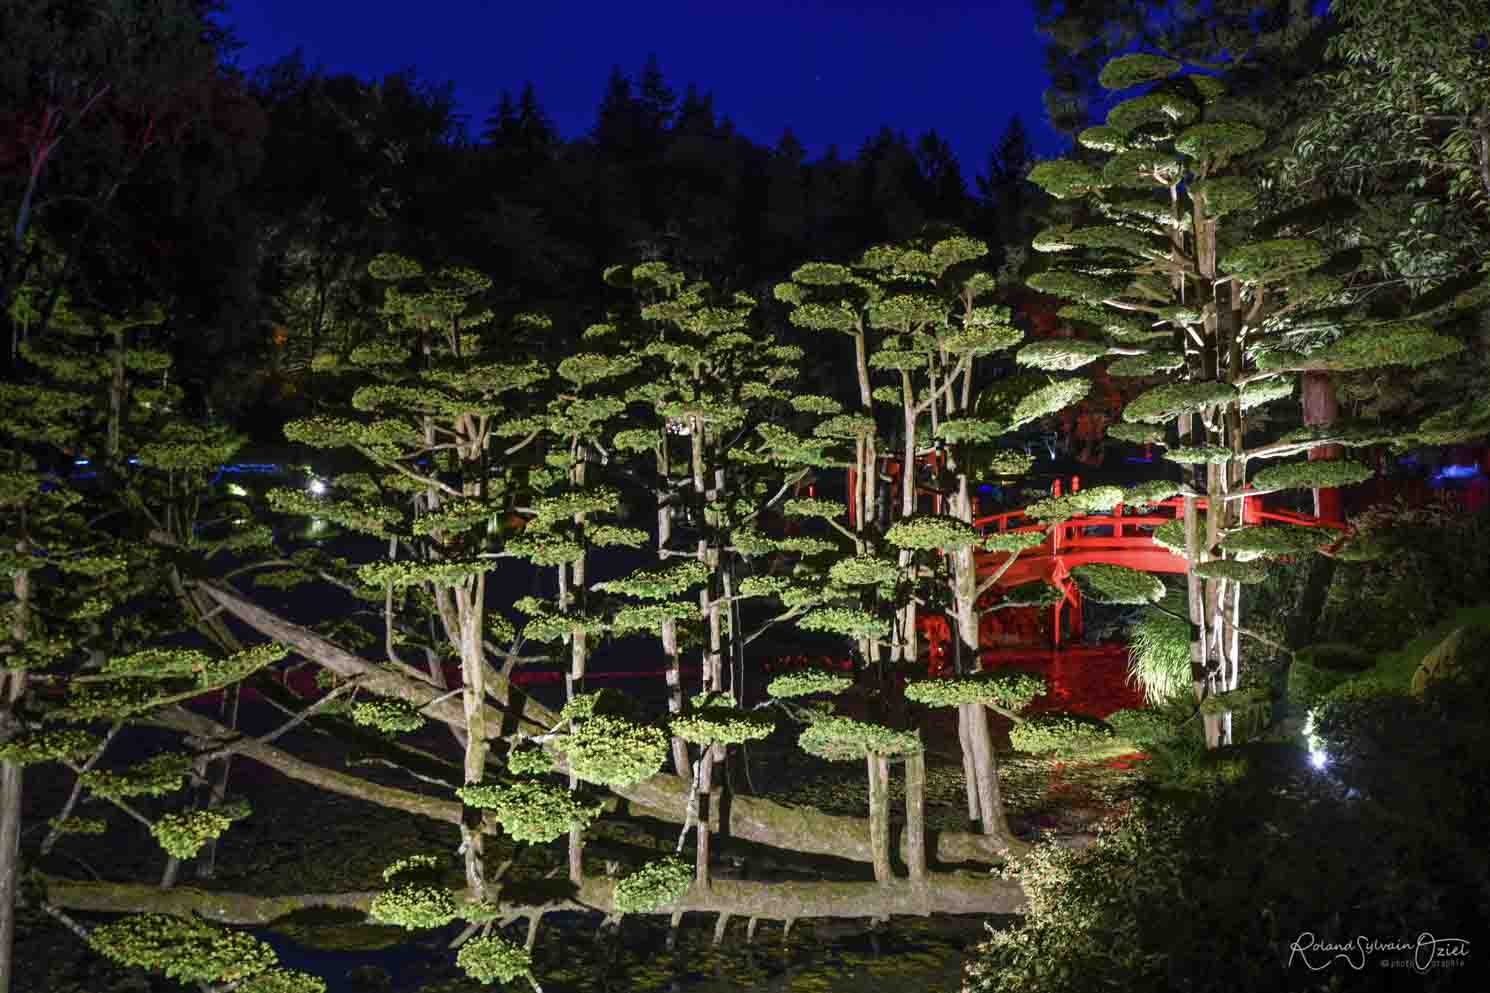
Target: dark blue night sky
{"x":833,"y":72}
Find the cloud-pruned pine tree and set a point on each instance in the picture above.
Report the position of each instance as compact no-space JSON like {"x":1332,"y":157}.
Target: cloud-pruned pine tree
{"x":1176,"y":271}
{"x":919,"y":318}
{"x":95,"y":455}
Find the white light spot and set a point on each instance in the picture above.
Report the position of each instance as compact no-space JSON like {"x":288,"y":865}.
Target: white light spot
{"x":1318,"y":759}
{"x":317,"y":487}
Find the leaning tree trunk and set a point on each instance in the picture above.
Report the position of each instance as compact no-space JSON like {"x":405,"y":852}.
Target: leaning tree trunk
{"x":941,"y":893}
{"x":662,"y":796}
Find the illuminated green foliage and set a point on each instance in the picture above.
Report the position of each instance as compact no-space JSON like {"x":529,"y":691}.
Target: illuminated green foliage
{"x":492,"y":958}
{"x":1049,"y":399}
{"x":1167,"y":402}
{"x":1060,"y":353}
{"x":415,"y":898}
{"x":1133,"y":70}
{"x":928,"y":531}
{"x":1199,"y":455}
{"x":1387,"y":343}
{"x":1159,"y":651}
{"x":387,"y":715}
{"x":652,"y":886}
{"x":1263,"y":391}
{"x":1059,"y":733}
{"x":659,"y":583}
{"x":183,"y":834}
{"x":1324,"y":473}
{"x":848,"y":621}
{"x":531,"y":810}
{"x":714,"y":720}
{"x":1233,"y":570}
{"x":156,"y":776}
{"x":613,"y":751}
{"x":1010,"y":690}
{"x":806,"y":682}
{"x":1065,"y":179}
{"x":33,"y":747}
{"x":1141,"y":726}
{"x":1108,"y":583}
{"x":841,"y":739}
{"x":185,"y":950}
{"x":863,"y":570}
{"x":1146,"y":365}
{"x":526,"y":761}
{"x":1012,"y":541}
{"x":1274,"y":541}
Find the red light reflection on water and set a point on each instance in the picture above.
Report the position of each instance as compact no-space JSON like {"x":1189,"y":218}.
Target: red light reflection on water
{"x":1083,"y":679}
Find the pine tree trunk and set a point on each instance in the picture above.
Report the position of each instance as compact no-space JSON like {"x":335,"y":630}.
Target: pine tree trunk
{"x":669,"y":627}
{"x":879,"y":815}
{"x":471,"y":609}
{"x":11,"y":782}
{"x":915,"y":815}
{"x":990,"y":803}
{"x":703,"y":816}
{"x":969,"y":768}
{"x":12,"y":687}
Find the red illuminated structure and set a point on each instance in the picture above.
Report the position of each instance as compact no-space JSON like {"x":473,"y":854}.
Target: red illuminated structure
{"x":1118,"y":537}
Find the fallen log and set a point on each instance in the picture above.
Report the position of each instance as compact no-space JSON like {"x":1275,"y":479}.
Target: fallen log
{"x":944,"y":893}
{"x":664,"y":796}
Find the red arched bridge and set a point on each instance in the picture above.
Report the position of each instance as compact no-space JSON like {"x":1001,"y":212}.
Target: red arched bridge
{"x":1120,"y":536}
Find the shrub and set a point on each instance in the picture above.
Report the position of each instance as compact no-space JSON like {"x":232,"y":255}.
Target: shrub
{"x":1059,"y":733}
{"x":1206,"y":894}
{"x":1141,"y":726}
{"x":1320,"y":668}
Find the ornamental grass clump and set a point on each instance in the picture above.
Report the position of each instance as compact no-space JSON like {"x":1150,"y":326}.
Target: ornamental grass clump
{"x":1159,"y":651}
